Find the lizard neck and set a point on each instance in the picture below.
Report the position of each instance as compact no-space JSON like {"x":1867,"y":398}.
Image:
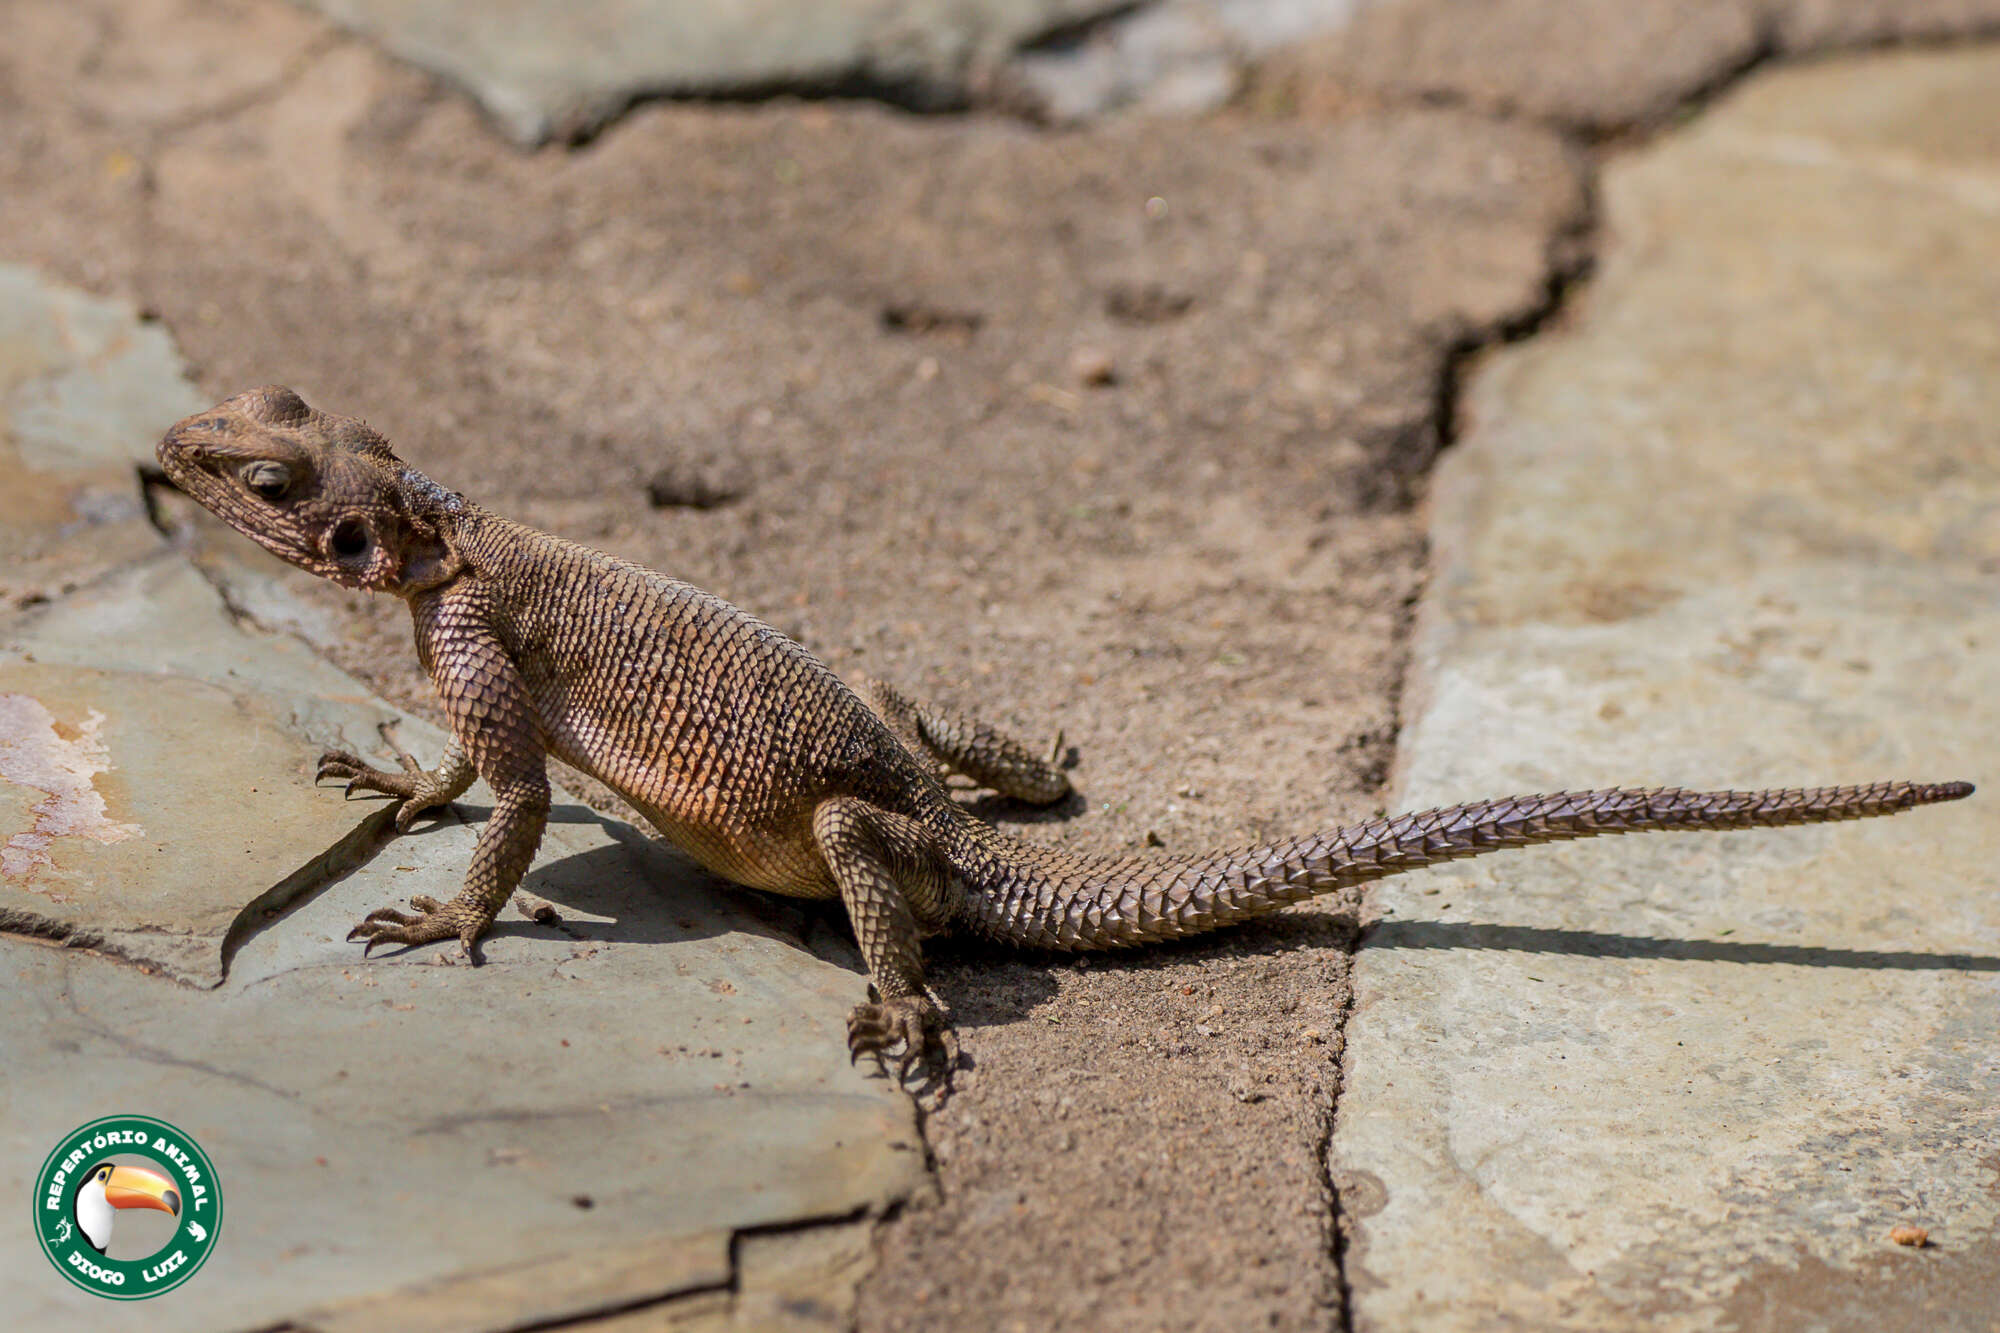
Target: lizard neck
{"x":440,"y":526}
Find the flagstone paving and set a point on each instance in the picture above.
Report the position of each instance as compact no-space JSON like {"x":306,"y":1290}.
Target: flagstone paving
{"x":581,"y":1125}
{"x":547,"y":68}
{"x":1737,"y":525}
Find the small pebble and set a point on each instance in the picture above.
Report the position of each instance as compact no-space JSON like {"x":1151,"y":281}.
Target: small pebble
{"x":686,"y":484}
{"x":1093,"y":366}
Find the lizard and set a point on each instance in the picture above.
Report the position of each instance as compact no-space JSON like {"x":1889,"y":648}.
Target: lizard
{"x":753,"y":757}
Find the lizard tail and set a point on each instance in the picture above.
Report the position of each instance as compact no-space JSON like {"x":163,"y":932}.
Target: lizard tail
{"x":1042,"y":897}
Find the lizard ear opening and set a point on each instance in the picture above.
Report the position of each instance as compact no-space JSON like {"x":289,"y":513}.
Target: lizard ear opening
{"x":428,"y":559}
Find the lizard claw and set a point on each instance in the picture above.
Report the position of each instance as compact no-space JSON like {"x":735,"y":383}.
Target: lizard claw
{"x":339,"y":764}
{"x":431,"y":921}
{"x":414,"y":787}
{"x":911,"y":1029}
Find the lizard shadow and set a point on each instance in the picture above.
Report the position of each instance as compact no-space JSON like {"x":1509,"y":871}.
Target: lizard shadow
{"x":985,"y":984}
{"x":1604,"y":944}
{"x":966,"y":972}
{"x":989,"y":985}
{"x":997,"y":809}
{"x":641,"y":889}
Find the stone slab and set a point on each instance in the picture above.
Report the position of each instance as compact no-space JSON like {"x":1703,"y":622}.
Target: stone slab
{"x":1738,"y":525}
{"x":579,"y":1127}
{"x":673,"y":1052}
{"x":548,"y":69}
{"x":1178,"y":57}
{"x":667,"y":1067}
{"x":140,"y":724}
{"x":84,"y":386}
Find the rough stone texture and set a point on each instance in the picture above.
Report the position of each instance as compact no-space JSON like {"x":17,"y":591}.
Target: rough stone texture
{"x":1201,"y":572}
{"x":1592,"y":63}
{"x":579,"y":1126}
{"x":1595,"y":65}
{"x":1807,"y":25}
{"x":562,"y":68}
{"x":1177,"y":57}
{"x":178,"y":719}
{"x":1737,"y":525}
{"x":80,"y":380}
{"x":608,"y":1100}
{"x":120,"y":672}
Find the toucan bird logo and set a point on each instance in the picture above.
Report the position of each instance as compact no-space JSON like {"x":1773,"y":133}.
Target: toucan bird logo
{"x":109,"y":1186}
{"x":101,"y":1170}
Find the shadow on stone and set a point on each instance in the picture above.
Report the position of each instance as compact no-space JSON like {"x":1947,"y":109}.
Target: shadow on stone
{"x":988,"y":986}
{"x":1603,"y":944}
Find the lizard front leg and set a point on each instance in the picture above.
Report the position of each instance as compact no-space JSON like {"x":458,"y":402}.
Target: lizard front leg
{"x":877,"y":862}
{"x":417,"y":788}
{"x":495,"y":722}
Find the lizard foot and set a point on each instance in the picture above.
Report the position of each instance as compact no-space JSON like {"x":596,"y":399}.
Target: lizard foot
{"x":432,"y":920}
{"x":911,"y":1029}
{"x":416,"y":789}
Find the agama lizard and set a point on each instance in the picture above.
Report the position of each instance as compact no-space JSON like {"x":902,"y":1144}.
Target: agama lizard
{"x":747,"y":752}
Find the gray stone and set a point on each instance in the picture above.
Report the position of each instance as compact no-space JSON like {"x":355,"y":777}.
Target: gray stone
{"x":1181,"y":57}
{"x":547,"y":69}
{"x":142,"y":723}
{"x":576,"y":1126}
{"x":1735,"y":526}
{"x":580,"y":1126}
{"x":84,"y":389}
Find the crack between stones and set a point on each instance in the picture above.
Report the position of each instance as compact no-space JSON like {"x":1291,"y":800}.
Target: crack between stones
{"x":252,"y":98}
{"x":986,"y":88}
{"x":663,"y":1302}
{"x":732,"y":1286}
{"x":1572,"y":248}
{"x":147,"y":1054}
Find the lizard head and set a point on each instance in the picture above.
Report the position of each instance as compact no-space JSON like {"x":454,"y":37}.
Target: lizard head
{"x":319,"y":491}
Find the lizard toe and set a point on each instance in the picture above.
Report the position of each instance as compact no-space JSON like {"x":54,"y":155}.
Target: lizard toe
{"x":381,"y":916}
{"x":338,"y":764}
{"x":362,"y":776}
{"x":908,"y":1029}
{"x":431,"y":921}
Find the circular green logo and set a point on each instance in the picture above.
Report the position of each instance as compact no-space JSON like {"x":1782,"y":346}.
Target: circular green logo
{"x":127,"y":1207}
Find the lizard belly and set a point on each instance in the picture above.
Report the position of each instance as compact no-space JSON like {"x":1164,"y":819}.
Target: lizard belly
{"x":768,"y":848}
{"x":761,"y":859}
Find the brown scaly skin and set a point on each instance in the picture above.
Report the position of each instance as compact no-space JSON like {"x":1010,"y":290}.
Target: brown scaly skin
{"x":752,"y":756}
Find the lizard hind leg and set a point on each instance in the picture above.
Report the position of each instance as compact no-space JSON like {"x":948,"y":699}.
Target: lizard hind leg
{"x":891,"y":890}
{"x":952,"y":743}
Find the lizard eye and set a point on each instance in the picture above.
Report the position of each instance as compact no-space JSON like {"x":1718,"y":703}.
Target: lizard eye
{"x":268,"y":479}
